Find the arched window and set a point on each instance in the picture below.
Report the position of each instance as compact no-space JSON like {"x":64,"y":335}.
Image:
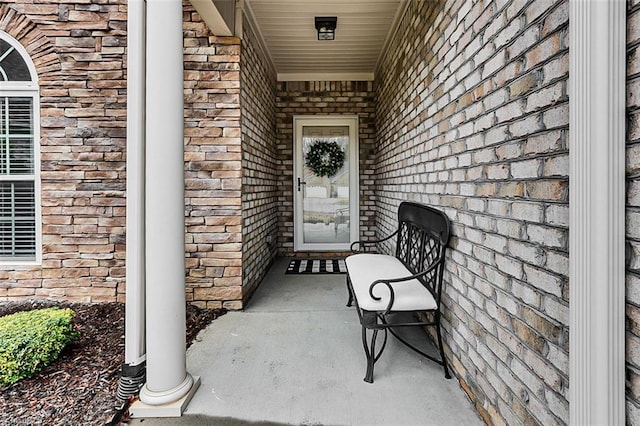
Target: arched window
{"x":19,"y":155}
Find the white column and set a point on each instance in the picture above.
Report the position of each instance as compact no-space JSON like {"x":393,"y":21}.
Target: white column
{"x":167,"y":379}
{"x":597,"y":208}
{"x":134,"y":339}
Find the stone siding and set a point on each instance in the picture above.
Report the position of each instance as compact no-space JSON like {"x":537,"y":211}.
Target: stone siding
{"x":324,"y":98}
{"x":79,"y":53}
{"x":78,"y":49}
{"x":473,"y":118}
{"x":259,"y":162}
{"x":633,"y":214}
{"x":213,"y":165}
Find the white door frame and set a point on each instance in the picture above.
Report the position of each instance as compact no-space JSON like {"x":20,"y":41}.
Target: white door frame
{"x":354,"y":178}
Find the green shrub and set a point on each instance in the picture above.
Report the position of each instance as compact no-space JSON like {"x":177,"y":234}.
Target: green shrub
{"x":31,"y":340}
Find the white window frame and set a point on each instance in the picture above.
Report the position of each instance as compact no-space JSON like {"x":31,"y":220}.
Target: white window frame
{"x":26,"y":89}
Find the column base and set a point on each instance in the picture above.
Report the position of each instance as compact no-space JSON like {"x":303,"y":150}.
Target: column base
{"x":140,"y":409}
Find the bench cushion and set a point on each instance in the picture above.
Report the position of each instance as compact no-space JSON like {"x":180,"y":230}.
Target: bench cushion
{"x":365,"y":268}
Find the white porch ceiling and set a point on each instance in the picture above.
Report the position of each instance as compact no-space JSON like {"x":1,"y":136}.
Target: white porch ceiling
{"x":289,"y":36}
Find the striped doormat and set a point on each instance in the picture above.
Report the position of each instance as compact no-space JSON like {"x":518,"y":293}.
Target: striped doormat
{"x":317,"y":266}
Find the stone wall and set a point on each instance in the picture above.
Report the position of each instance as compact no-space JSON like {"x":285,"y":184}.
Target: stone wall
{"x":79,"y":52}
{"x":213,"y":165}
{"x":473,"y":118}
{"x":78,"y":49}
{"x":259,"y":161}
{"x":633,"y":213}
{"x":324,"y":98}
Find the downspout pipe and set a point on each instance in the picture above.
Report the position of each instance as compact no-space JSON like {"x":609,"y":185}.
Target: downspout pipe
{"x":134,"y":370}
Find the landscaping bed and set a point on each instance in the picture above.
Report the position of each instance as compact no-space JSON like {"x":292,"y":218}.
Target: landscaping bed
{"x":80,"y":387}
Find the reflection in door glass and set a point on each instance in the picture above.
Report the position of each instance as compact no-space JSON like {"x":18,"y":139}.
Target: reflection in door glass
{"x":326,"y":198}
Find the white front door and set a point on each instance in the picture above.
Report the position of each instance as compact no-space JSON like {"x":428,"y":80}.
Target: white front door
{"x":325,"y":183}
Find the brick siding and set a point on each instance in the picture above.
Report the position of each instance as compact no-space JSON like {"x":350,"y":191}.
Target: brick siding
{"x":78,"y":49}
{"x":259,"y":162}
{"x":473,"y":117}
{"x":324,"y":98}
{"x":633,"y":214}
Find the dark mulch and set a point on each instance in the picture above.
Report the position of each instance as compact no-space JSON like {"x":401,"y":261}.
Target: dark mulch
{"x":80,"y":387}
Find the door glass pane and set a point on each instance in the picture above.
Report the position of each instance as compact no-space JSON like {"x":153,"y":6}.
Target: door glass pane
{"x":326,"y":184}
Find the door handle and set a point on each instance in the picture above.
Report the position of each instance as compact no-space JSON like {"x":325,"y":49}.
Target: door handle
{"x":300,"y":183}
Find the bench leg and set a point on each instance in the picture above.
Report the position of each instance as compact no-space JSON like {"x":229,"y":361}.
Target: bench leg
{"x":350,"y":301}
{"x":444,"y":360}
{"x":370,"y":350}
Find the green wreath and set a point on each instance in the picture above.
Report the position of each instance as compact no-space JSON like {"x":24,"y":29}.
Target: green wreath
{"x":325,"y":158}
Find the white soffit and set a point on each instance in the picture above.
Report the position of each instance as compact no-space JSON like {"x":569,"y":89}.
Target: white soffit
{"x":288,"y":31}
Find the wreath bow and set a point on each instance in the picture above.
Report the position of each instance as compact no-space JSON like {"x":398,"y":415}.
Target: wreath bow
{"x":325,"y":158}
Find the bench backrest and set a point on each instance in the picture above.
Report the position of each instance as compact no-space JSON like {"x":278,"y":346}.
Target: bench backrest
{"x":423,"y":234}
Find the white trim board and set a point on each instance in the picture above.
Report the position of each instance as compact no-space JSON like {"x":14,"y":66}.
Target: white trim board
{"x":597,"y":212}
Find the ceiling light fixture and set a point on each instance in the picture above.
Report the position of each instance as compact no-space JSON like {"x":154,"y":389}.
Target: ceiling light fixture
{"x":326,"y":26}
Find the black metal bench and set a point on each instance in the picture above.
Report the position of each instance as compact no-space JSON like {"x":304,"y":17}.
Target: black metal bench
{"x":408,"y":282}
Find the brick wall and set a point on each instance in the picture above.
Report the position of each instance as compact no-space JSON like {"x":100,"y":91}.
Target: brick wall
{"x":633,"y":214}
{"x":78,"y":50}
{"x":259,"y":162}
{"x":213,"y":165}
{"x":473,"y":117}
{"x":324,"y":98}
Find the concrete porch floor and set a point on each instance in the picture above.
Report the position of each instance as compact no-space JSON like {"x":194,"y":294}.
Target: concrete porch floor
{"x":295,"y":356}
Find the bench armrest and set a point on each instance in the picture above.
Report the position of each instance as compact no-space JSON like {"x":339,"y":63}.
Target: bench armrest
{"x":365,"y":244}
{"x":389,"y":281}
